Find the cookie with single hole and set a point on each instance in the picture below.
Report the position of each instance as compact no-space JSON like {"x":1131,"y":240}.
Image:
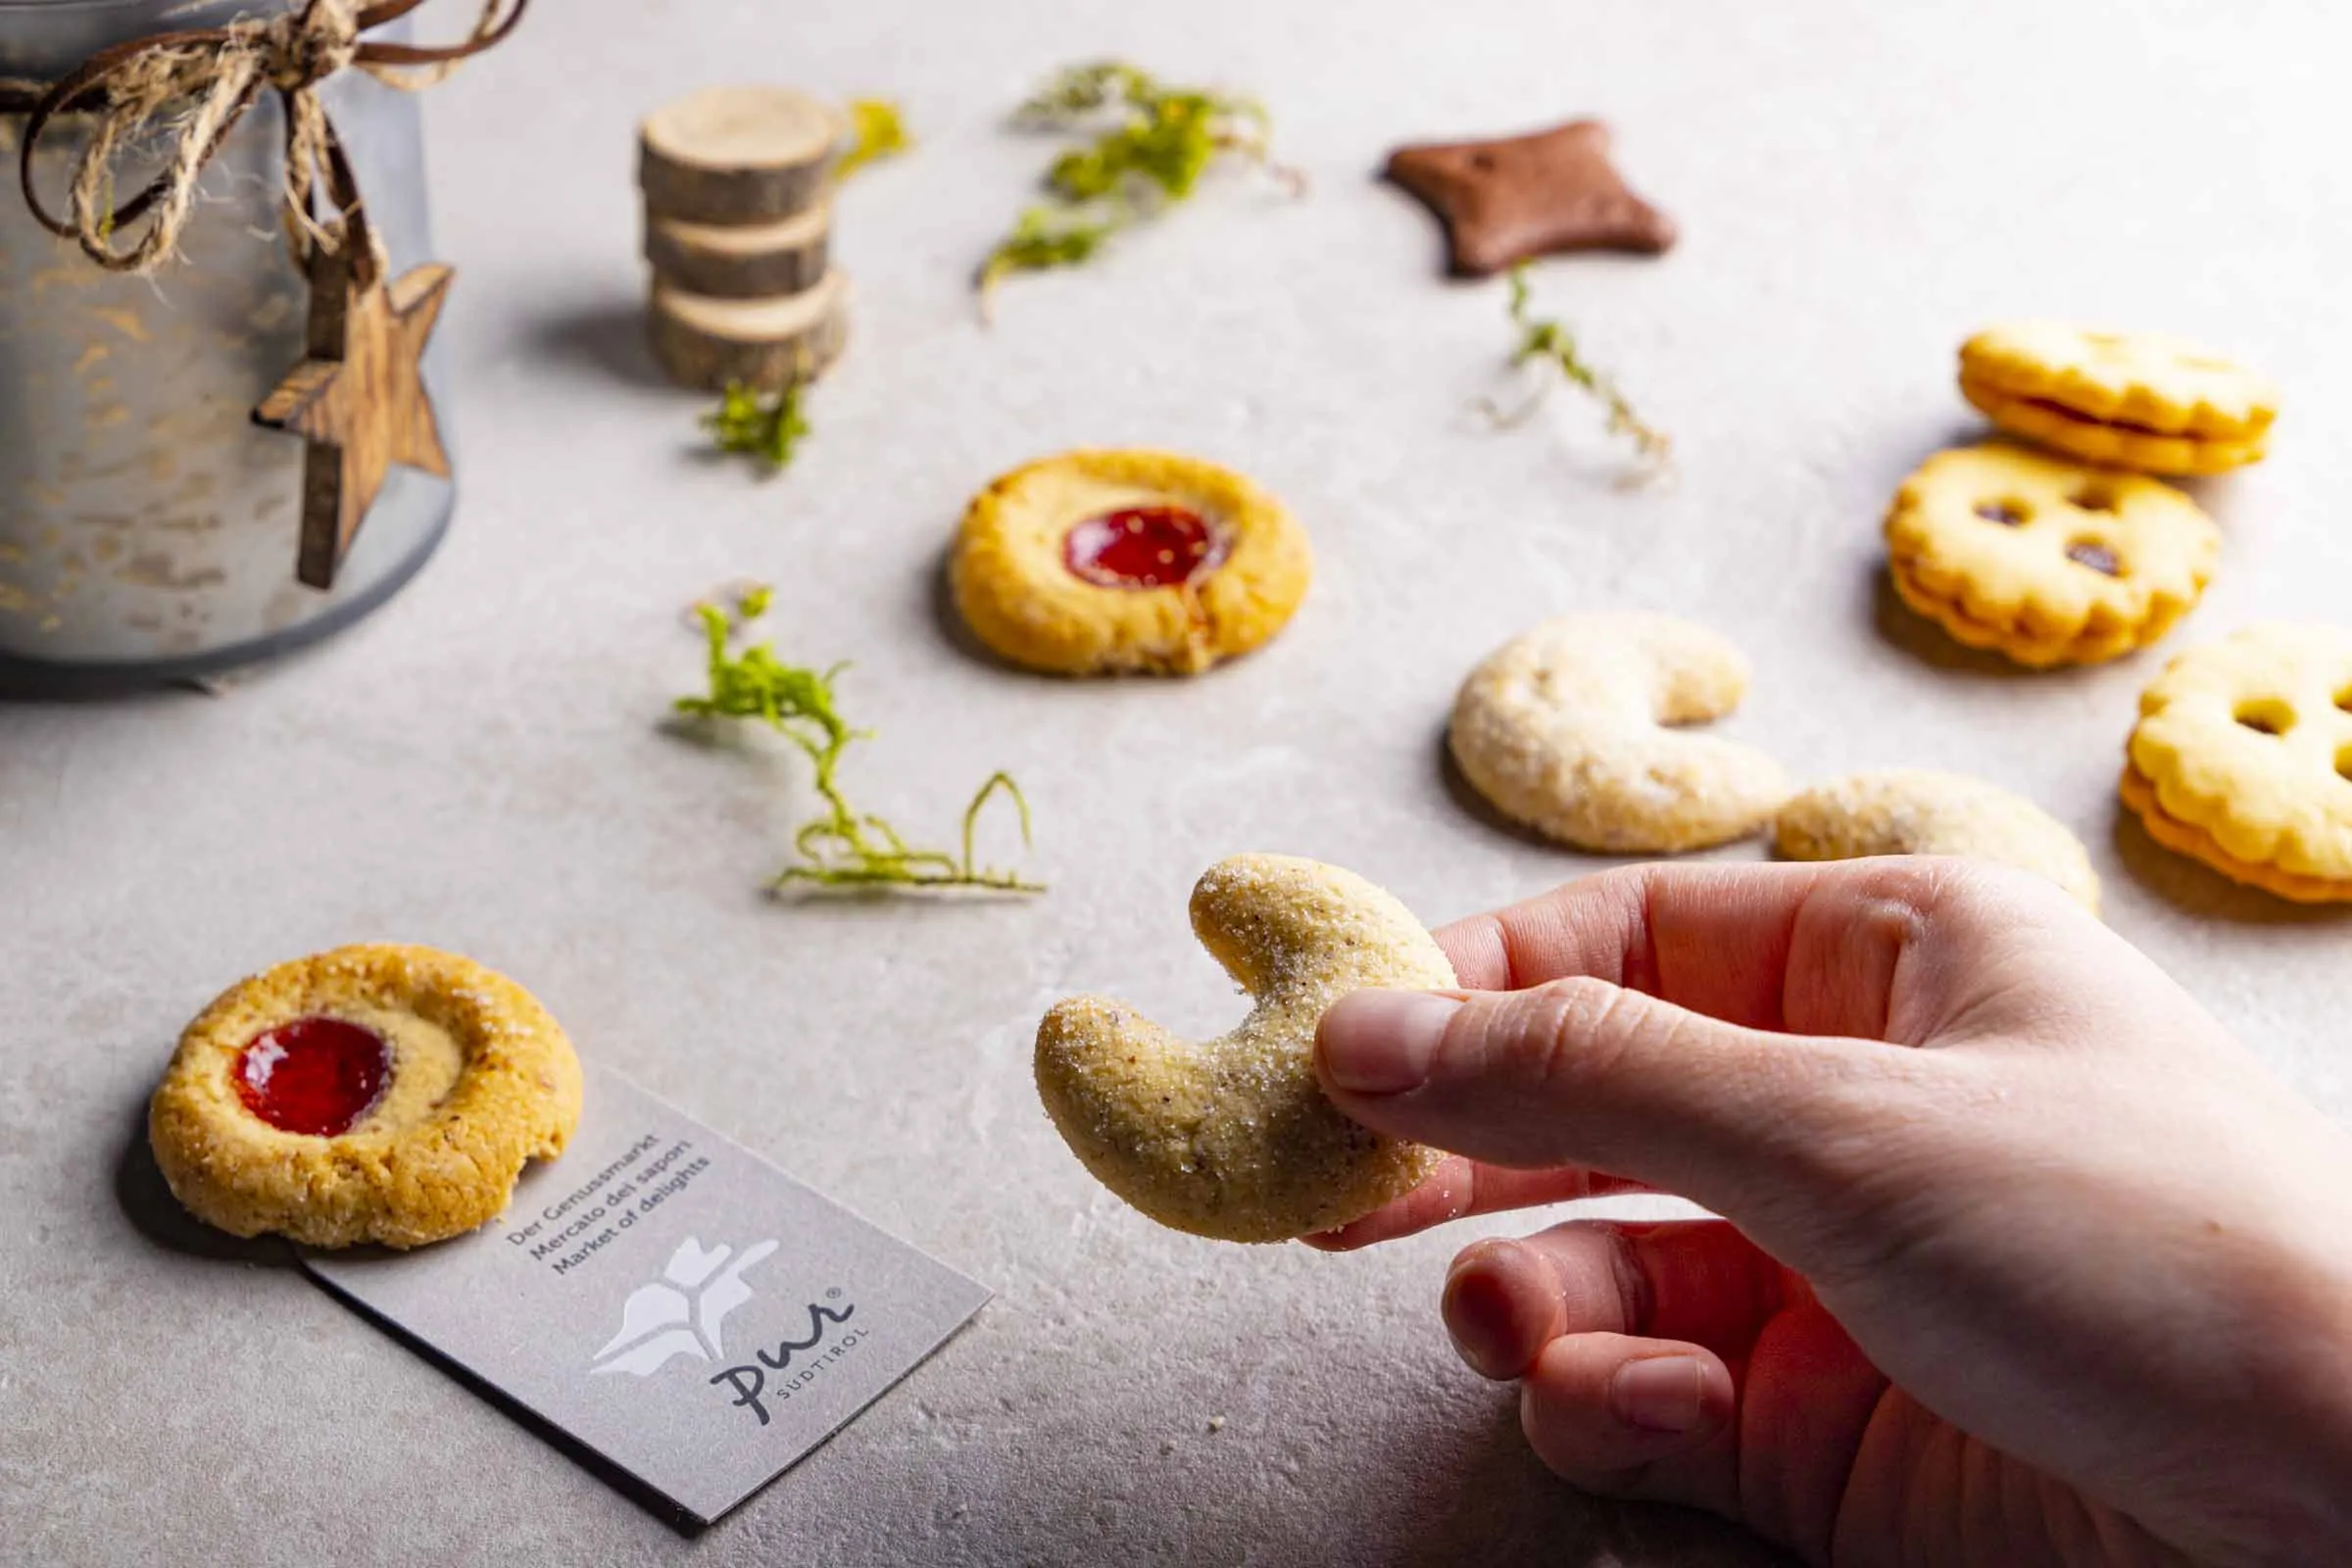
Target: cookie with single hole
{"x":1233,"y":1137}
{"x":2047,"y":561}
{"x":2132,"y":400}
{"x":1913,"y":811}
{"x":2242,"y":758}
{"x":372,"y":1094}
{"x":1127,"y":561}
{"x":1572,"y":729}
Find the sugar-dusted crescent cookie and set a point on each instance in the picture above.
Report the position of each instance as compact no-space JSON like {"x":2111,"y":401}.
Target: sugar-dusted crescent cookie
{"x":1565,"y":729}
{"x":1232,"y":1137}
{"x":1113,"y":561}
{"x":2135,"y":400}
{"x":2044,"y":559}
{"x":1919,"y":811}
{"x":372,"y":1094}
{"x":2242,"y":758}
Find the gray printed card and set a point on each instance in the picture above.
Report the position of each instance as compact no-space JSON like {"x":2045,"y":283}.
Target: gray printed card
{"x":670,"y":1301}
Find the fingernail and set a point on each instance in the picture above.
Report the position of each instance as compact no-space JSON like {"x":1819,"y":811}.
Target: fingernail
{"x":1381,"y":1042}
{"x":1659,"y":1395}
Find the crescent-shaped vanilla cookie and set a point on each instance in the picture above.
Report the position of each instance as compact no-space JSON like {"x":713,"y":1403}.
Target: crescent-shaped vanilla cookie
{"x":1573,"y":730}
{"x":1233,"y":1137}
{"x":1910,"y":810}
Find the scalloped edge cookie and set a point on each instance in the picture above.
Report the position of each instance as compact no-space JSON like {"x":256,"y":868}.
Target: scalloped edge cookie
{"x":2242,"y":758}
{"x":1978,"y":540}
{"x":2135,"y":400}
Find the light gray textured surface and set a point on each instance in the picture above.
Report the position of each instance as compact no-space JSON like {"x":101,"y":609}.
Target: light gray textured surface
{"x":483,"y":765}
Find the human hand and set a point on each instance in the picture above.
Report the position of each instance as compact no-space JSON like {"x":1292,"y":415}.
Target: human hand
{"x":2024,"y":1259}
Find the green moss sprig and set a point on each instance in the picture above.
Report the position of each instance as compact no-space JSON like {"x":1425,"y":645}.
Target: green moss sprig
{"x":841,"y":847}
{"x":877,"y":131}
{"x":1150,"y":145}
{"x":1547,"y":342}
{"x":766,"y":425}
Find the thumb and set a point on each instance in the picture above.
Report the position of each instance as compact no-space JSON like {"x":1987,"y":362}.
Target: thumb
{"x":1583,"y":1072}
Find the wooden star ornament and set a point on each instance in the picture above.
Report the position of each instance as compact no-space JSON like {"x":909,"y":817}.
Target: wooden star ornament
{"x":1513,"y":199}
{"x":359,"y":398}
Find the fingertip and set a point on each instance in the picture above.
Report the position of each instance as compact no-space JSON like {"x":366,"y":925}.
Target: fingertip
{"x":1596,"y":1407}
{"x":1380,"y":1042}
{"x":1500,"y":1306}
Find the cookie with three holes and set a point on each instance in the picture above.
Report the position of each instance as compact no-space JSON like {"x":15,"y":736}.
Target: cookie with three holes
{"x":2242,"y":758}
{"x":2047,"y":561}
{"x":1115,"y":562}
{"x":372,"y":1094}
{"x":2133,"y":400}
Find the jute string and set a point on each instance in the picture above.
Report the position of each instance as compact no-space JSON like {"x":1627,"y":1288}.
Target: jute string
{"x":189,"y":89}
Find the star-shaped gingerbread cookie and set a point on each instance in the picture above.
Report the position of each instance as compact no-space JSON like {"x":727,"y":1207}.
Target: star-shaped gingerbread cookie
{"x":1519,"y":197}
{"x":358,"y":400}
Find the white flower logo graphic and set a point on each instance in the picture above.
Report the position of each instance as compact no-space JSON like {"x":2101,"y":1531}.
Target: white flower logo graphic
{"x":679,"y":1314}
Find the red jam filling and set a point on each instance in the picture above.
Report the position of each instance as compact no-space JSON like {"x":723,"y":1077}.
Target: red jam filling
{"x":313,"y":1075}
{"x":1141,"y":547}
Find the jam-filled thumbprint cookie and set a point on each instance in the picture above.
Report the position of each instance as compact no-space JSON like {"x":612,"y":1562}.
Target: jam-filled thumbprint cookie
{"x":372,"y":1093}
{"x":1119,"y":562}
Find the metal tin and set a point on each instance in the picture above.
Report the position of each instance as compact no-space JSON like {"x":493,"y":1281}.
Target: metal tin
{"x":148,"y":528}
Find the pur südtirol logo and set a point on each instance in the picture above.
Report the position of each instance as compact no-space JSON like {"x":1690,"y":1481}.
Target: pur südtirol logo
{"x":681,"y":1312}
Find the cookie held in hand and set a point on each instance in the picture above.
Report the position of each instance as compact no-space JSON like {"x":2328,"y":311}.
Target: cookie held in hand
{"x":372,"y":1094}
{"x":1232,"y":1137}
{"x":2044,"y":559}
{"x":2134,"y":400}
{"x":2242,"y":758}
{"x":1569,"y":730}
{"x":1116,"y":562}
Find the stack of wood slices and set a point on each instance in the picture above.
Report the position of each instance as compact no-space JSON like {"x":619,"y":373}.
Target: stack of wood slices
{"x":738,"y":210}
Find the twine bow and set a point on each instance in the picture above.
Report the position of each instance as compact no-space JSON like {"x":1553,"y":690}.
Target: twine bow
{"x":192,"y":87}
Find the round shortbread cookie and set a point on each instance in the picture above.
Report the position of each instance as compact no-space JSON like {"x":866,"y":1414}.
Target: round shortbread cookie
{"x":1116,"y":562}
{"x":2137,"y":400}
{"x":1565,"y":729}
{"x":2047,"y":560}
{"x":372,"y":1094}
{"x":1233,"y":1137}
{"x":1919,"y":811}
{"x":2242,"y":758}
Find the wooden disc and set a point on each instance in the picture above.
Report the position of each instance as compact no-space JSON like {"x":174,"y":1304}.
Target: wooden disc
{"x":737,"y":155}
{"x":707,"y":343}
{"x":747,"y":261}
